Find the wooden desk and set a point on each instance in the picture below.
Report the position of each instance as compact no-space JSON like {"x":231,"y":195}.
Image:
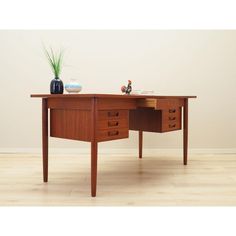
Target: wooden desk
{"x":103,"y":117}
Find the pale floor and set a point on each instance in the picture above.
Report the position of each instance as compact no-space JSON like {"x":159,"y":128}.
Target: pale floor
{"x":208,"y":180}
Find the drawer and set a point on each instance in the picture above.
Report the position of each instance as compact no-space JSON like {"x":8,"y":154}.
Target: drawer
{"x":171,"y":119}
{"x":106,"y":135}
{"x":152,"y":120}
{"x":113,"y":123}
{"x":113,"y":114}
{"x":160,"y":104}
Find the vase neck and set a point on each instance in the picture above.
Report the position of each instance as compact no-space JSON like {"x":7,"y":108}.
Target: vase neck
{"x":57,"y":78}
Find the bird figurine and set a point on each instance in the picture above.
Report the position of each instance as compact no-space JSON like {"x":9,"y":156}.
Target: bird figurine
{"x":127,"y":89}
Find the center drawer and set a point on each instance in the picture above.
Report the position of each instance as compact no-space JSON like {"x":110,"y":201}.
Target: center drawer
{"x":112,"y":124}
{"x":160,"y":104}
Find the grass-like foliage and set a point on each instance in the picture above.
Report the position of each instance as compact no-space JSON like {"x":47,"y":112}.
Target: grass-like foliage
{"x":55,"y":61}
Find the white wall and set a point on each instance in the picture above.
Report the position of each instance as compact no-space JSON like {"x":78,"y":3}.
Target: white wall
{"x":201,"y":63}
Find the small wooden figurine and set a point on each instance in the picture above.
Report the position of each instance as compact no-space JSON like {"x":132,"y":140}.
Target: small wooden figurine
{"x":128,"y":89}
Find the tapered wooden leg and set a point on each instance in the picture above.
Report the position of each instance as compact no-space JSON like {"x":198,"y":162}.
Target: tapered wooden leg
{"x":45,"y":138}
{"x":140,"y":144}
{"x":185,"y":132}
{"x":93,"y":168}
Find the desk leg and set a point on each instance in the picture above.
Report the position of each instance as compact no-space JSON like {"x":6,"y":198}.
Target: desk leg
{"x":45,"y":138}
{"x":185,"y":131}
{"x":140,"y":144}
{"x":94,"y":148}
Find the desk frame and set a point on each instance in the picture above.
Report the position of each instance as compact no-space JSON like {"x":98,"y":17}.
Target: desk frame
{"x":98,"y":102}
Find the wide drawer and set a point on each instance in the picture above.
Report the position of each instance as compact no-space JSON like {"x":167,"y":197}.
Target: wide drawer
{"x":160,"y":104}
{"x":106,"y":135}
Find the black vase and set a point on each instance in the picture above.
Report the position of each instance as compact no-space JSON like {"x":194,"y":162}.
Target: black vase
{"x":56,"y":86}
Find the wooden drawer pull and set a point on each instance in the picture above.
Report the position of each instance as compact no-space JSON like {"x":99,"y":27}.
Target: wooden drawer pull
{"x":172,"y":126}
{"x":113,"y":133}
{"x":172,"y":110}
{"x":172,"y":118}
{"x":113,"y":123}
{"x":113,"y":113}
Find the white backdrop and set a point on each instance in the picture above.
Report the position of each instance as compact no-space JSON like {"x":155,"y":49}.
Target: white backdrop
{"x":201,"y":63}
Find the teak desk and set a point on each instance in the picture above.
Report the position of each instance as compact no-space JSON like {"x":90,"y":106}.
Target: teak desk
{"x":103,"y":117}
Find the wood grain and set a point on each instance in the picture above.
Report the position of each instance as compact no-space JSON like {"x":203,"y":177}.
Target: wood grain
{"x":70,"y":124}
{"x":69,"y":103}
{"x":185,"y":132}
{"x":113,"y":114}
{"x":112,"y":134}
{"x":145,"y":120}
{"x":169,"y":103}
{"x":160,"y":104}
{"x":45,"y":138}
{"x":115,"y":123}
{"x":116,"y":103}
{"x":140,"y":140}
{"x":171,"y":120}
{"x":150,"y":120}
{"x":94,"y":147}
{"x":115,"y":96}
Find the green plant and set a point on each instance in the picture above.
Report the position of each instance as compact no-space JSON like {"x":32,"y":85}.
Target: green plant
{"x":55,"y":61}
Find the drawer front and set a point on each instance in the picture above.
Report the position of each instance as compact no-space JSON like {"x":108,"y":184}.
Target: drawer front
{"x":113,"y":124}
{"x":113,"y":114}
{"x":169,"y":103}
{"x":160,"y":104}
{"x":105,"y":135}
{"x":171,"y":119}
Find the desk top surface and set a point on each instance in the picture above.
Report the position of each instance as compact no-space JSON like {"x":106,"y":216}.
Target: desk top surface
{"x":81,"y":95}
